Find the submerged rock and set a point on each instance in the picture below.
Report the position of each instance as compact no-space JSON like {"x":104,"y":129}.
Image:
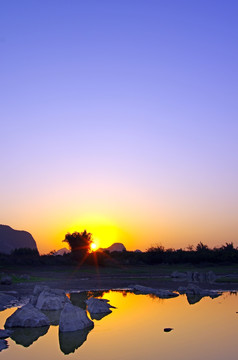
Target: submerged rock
{"x":3,"y":344}
{"x":168,"y":329}
{"x":73,"y":318}
{"x":27,"y":336}
{"x":99,"y":306}
{"x":161,"y":293}
{"x":70,"y":341}
{"x":27,"y":316}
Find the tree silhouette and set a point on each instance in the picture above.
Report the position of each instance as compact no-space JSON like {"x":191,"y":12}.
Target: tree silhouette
{"x":201,"y":247}
{"x":79,"y":243}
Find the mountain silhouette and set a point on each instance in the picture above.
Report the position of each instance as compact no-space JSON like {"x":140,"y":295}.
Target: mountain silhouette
{"x":114,"y":247}
{"x":11,"y":239}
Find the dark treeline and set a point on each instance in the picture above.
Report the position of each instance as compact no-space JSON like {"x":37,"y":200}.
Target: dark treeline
{"x":226,"y":254}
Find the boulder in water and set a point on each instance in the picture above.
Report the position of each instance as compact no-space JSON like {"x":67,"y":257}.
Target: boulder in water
{"x":27,"y":316}
{"x":73,"y":318}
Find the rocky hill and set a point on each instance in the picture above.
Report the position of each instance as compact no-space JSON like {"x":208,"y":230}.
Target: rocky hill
{"x":114,"y":247}
{"x":11,"y":239}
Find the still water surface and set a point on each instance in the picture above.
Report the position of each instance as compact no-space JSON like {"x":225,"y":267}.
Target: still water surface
{"x":207,"y":329}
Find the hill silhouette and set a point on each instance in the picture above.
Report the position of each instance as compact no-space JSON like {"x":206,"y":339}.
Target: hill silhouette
{"x":11,"y":239}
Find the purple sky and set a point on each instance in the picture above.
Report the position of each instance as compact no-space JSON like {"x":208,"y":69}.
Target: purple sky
{"x":121,"y":117}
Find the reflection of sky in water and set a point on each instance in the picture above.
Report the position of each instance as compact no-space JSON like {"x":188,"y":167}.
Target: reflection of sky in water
{"x":205,"y":330}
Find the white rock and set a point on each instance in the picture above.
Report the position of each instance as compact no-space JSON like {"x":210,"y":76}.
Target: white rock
{"x":27,"y":316}
{"x":73,"y":318}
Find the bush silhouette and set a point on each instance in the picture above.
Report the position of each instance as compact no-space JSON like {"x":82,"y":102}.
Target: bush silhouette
{"x":79,"y":243}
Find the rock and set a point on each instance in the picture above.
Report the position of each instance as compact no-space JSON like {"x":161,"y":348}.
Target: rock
{"x":53,"y":299}
{"x":26,"y":336}
{"x":6,"y":300}
{"x":192,"y":289}
{"x":6,"y":280}
{"x":194,"y":276}
{"x":5,"y":334}
{"x":61,"y":252}
{"x":53,"y":316}
{"x":178,"y":275}
{"x":114,"y":247}
{"x":27,"y":316}
{"x":161,"y":293}
{"x":70,"y":341}
{"x":98,"y":306}
{"x":45,"y":298}
{"x":39,"y":288}
{"x":11,"y":239}
{"x":73,"y":318}
{"x":211,"y":276}
{"x":168,"y":329}
{"x":3,"y":345}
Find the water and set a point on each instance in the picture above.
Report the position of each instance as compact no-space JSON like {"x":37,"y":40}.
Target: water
{"x":135,"y":330}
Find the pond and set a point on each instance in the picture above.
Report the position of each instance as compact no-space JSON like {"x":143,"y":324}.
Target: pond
{"x":206,"y":329}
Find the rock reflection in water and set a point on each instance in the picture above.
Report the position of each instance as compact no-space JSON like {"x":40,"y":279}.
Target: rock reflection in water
{"x":99,"y":316}
{"x":193,"y":299}
{"x":53,"y":316}
{"x":79,"y":299}
{"x":70,"y":341}
{"x":26,"y":336}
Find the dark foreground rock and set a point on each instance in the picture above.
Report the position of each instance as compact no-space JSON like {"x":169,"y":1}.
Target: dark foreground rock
{"x":73,"y":318}
{"x":3,"y":344}
{"x":27,"y":316}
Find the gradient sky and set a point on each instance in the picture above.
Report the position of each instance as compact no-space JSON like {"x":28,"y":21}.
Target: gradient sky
{"x":120,"y":117}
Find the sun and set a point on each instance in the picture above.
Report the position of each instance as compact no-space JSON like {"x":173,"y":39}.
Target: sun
{"x":93,"y":246}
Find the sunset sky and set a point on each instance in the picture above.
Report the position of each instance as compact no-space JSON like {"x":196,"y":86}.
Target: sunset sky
{"x":120,"y":117}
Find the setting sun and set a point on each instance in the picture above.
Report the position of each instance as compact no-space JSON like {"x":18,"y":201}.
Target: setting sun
{"x":93,"y":247}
